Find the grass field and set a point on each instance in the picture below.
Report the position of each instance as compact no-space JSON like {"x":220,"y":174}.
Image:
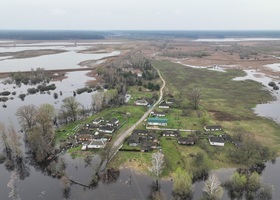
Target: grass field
{"x":225,"y":102}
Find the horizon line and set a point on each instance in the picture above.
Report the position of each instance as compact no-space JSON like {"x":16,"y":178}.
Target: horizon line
{"x":100,"y":30}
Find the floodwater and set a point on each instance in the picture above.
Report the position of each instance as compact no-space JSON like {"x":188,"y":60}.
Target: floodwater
{"x":234,"y":39}
{"x":35,"y":183}
{"x":270,"y":109}
{"x":128,"y":184}
{"x":74,"y":81}
{"x":66,"y":60}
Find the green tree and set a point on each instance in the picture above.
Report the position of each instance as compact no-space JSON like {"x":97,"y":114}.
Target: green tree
{"x":182,"y":186}
{"x":72,"y":106}
{"x":44,"y":119}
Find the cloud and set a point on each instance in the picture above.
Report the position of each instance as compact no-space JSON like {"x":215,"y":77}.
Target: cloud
{"x":58,"y":12}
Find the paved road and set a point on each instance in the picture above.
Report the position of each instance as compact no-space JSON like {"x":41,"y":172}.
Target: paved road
{"x":123,"y":135}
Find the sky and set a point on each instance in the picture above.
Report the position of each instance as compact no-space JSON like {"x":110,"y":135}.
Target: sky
{"x":140,"y":14}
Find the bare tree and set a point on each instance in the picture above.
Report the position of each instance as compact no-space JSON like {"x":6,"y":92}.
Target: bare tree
{"x":40,"y":148}
{"x":194,"y":96}
{"x":27,"y":116}
{"x":97,"y":101}
{"x":4,"y":139}
{"x":65,"y":184}
{"x":12,"y":146}
{"x":157,"y":166}
{"x":212,"y":188}
{"x":72,"y":106}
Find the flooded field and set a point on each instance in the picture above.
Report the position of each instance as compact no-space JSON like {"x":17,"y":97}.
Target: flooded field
{"x":269,"y":109}
{"x":35,"y":183}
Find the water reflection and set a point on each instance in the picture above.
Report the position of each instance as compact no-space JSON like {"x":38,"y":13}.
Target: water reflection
{"x":74,"y":81}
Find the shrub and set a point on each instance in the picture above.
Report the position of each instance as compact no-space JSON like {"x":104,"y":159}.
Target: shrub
{"x":31,"y":90}
{"x":22,"y":96}
{"x":271,"y":83}
{"x":5,"y":93}
{"x":4,"y":99}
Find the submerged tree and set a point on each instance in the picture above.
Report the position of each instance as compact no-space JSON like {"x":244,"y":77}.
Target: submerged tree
{"x":248,"y":185}
{"x":72,"y":107}
{"x":182,"y":186}
{"x":27,"y":116}
{"x":38,"y":126}
{"x":157,"y":166}
{"x":12,"y":147}
{"x":65,"y":184}
{"x":212,"y":189}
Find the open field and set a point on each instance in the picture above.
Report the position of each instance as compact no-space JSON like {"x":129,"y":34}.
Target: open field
{"x":225,"y":101}
{"x":239,"y":54}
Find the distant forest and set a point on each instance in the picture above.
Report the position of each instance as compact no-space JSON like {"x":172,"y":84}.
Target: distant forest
{"x":87,"y":35}
{"x":49,"y":35}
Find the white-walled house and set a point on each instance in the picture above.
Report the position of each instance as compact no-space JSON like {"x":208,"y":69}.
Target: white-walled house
{"x":216,"y":141}
{"x":97,"y":144}
{"x":213,"y":128}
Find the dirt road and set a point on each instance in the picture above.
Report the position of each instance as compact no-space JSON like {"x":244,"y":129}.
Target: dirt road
{"x":122,"y":136}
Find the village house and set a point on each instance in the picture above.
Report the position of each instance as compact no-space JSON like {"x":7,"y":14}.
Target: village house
{"x":97,"y":144}
{"x":133,"y":140}
{"x":147,"y":146}
{"x":213,"y":128}
{"x":170,"y":134}
{"x":186,"y":141}
{"x":106,"y":129}
{"x":157,"y":114}
{"x":113,"y":122}
{"x":170,"y":101}
{"x":97,"y":121}
{"x":141,"y":102}
{"x":140,"y":132}
{"x":163,"y":105}
{"x":157,"y":121}
{"x":216,"y":141}
{"x":84,"y":137}
{"x":144,"y":139}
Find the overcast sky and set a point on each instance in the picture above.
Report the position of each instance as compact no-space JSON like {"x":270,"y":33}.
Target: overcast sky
{"x":140,"y":14}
